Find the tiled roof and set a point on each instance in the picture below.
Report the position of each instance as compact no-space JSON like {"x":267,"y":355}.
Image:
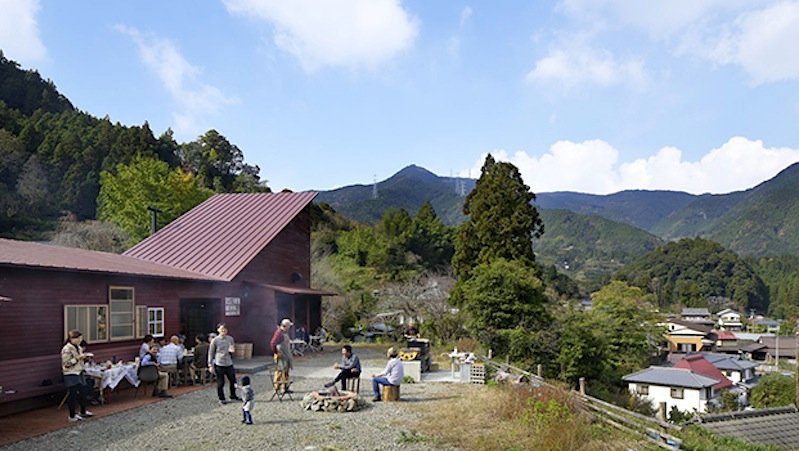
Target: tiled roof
{"x":698,"y":365}
{"x":688,"y":311}
{"x":674,"y":377}
{"x":728,"y":362}
{"x":726,"y":335}
{"x":778,"y":426}
{"x":693,"y":325}
{"x":37,"y":255}
{"x":223,"y":234}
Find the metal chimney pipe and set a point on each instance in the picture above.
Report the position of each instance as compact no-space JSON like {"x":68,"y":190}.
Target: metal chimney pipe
{"x":153,"y":219}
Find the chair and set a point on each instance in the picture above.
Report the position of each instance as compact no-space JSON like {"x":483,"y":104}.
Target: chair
{"x":148,"y":374}
{"x":281,"y":386}
{"x":353,"y":384}
{"x":202,"y":372}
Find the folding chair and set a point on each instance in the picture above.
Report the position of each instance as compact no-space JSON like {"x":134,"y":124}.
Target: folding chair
{"x":148,"y":374}
{"x":281,"y":386}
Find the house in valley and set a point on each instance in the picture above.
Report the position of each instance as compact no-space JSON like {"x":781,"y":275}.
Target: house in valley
{"x":687,"y":336}
{"x":677,"y":387}
{"x":729,"y":319}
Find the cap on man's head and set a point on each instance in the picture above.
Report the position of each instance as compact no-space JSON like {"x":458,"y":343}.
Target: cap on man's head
{"x":286,"y":322}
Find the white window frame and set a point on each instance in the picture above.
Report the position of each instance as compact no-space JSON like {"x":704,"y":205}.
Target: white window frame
{"x":99,"y":333}
{"x":141,"y":321}
{"x":155,"y":321}
{"x":677,"y":393}
{"x":114,"y":315}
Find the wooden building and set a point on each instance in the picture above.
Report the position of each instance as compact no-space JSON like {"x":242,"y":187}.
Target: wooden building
{"x":241,"y":259}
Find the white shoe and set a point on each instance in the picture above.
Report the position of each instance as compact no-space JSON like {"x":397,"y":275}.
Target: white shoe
{"x":75,"y":418}
{"x":87,"y":414}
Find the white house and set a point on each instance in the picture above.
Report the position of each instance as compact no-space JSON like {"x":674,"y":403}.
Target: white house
{"x":729,"y":319}
{"x":688,"y":391}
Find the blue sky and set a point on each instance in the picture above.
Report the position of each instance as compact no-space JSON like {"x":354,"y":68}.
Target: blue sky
{"x":582,"y":95}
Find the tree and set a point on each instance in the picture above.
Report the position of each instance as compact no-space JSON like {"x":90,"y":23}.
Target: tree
{"x":502,"y":221}
{"x":430,"y":239}
{"x":214,"y":160}
{"x":503,"y":295}
{"x":126,"y":194}
{"x":774,"y":390}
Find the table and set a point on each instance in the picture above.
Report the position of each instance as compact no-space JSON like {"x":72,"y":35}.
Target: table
{"x":109,"y":378}
{"x":298,"y":347}
{"x":456,"y":359}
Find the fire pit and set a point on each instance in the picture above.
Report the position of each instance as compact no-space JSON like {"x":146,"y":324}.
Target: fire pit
{"x":332,"y":401}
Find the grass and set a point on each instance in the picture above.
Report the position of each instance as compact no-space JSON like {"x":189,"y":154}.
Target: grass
{"x":514,"y":418}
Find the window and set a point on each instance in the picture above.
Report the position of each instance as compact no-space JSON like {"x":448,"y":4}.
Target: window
{"x":676,"y":393}
{"x":91,"y":320}
{"x":155,"y":321}
{"x":687,"y":347}
{"x":643,"y":389}
{"x":141,"y":321}
{"x":120,"y":301}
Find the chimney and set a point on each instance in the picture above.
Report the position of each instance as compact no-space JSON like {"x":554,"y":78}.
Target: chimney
{"x":153,"y":219}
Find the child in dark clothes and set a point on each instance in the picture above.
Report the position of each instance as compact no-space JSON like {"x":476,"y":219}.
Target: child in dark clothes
{"x":247,"y":399}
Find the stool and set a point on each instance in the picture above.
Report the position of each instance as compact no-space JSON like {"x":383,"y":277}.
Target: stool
{"x":281,"y":385}
{"x":353,"y":384}
{"x":391,"y":393}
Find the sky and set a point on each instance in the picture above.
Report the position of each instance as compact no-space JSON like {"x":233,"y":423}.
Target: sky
{"x":594,"y":96}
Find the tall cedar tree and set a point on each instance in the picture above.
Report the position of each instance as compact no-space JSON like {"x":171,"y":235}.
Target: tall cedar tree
{"x":502,"y":222}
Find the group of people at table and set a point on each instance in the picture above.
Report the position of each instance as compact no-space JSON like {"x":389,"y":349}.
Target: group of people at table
{"x":172,"y":357}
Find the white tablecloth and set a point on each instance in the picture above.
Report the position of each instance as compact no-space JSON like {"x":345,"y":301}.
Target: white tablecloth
{"x":110,"y":378}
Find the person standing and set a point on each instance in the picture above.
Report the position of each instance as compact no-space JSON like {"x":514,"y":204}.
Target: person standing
{"x":392,"y":375}
{"x":221,"y":364}
{"x":247,"y":400}
{"x":72,"y":359}
{"x":281,"y":352}
{"x":350,"y":367}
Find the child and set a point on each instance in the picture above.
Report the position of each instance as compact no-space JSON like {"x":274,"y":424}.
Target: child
{"x":247,"y":399}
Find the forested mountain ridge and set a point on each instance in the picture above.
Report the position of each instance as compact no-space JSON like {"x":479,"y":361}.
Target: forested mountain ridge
{"x":52,"y":156}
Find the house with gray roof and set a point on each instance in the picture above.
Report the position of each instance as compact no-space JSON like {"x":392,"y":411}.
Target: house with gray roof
{"x":775,"y":426}
{"x":677,"y":387}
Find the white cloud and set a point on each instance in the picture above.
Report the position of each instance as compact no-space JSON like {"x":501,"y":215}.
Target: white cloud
{"x":760,"y":36}
{"x":466,"y":16}
{"x":19,"y":31}
{"x":335,"y":33}
{"x":193,"y":99}
{"x":593,"y":167}
{"x":573,"y":65}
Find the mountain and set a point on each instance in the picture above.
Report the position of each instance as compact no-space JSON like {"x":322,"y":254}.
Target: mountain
{"x":409,"y":188}
{"x":589,"y":247}
{"x":763,"y":220}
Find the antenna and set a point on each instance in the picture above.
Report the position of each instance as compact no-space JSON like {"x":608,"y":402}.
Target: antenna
{"x":374,"y":186}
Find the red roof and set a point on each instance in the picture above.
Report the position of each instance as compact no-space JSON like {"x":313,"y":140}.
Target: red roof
{"x":36,"y":255}
{"x":699,"y":365}
{"x":726,"y":335}
{"x":222,"y":235}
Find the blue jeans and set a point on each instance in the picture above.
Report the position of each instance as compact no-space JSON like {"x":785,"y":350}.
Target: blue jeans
{"x":376,"y":383}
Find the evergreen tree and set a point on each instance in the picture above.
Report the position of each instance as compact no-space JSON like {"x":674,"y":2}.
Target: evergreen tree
{"x":502,"y":220}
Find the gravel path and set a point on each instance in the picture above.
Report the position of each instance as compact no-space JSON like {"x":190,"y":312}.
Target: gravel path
{"x":195,"y":421}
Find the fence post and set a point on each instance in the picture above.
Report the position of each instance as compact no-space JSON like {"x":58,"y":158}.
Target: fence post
{"x":582,"y":386}
{"x":539,"y":370}
{"x":662,"y":412}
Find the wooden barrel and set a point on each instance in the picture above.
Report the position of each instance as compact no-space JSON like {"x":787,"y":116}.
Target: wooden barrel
{"x":391,"y":393}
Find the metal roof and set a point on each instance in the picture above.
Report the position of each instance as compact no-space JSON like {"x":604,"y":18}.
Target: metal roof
{"x":37,"y":255}
{"x":699,"y":365}
{"x":729,"y":362}
{"x":674,"y":377}
{"x":288,"y":289}
{"x":222,"y":235}
{"x":777,"y":426}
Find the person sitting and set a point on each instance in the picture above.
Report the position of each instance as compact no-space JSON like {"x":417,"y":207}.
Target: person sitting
{"x":151,"y":358}
{"x":170,"y":355}
{"x":350,"y":367}
{"x":411,"y":332}
{"x":200,"y":357}
{"x":145,"y":345}
{"x":391,"y":375}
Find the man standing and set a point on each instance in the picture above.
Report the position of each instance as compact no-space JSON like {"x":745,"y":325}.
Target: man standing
{"x":350,"y":367}
{"x":221,"y":364}
{"x":281,"y":350}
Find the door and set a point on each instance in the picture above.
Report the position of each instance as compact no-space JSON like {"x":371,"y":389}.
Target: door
{"x":198,"y":316}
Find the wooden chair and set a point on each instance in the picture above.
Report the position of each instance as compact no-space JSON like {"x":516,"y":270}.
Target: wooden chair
{"x":148,"y":374}
{"x":353,"y":384}
{"x":202,"y":372}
